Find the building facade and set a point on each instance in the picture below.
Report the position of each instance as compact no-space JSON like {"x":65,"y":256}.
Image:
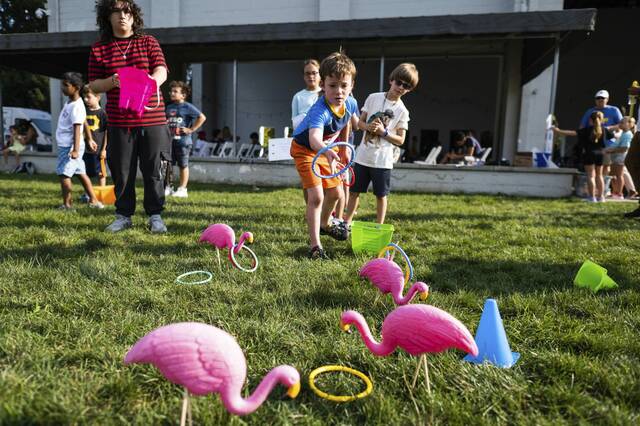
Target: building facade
{"x":472,"y":80}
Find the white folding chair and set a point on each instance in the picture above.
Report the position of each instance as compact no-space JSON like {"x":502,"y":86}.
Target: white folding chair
{"x":485,"y":154}
{"x":256,"y":151}
{"x":244,"y":150}
{"x":473,"y":161}
{"x":431,"y":157}
{"x":226,"y":150}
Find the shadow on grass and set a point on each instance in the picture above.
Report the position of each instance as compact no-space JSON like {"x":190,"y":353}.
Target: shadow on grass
{"x":500,"y":278}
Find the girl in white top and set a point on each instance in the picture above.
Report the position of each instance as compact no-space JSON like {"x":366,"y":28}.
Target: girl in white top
{"x":384,"y":120}
{"x":70,"y":142}
{"x":304,"y":99}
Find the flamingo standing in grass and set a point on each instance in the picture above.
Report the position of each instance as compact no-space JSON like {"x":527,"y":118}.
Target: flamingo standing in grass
{"x":418,"y":329}
{"x":222,"y":236}
{"x":387,"y":276}
{"x":205,"y":359}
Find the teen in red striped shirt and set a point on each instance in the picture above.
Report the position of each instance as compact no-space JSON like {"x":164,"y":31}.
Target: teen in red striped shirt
{"x":131,"y":139}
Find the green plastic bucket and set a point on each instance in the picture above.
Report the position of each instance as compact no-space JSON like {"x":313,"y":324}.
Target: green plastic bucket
{"x":370,"y":237}
{"x":593,"y":276}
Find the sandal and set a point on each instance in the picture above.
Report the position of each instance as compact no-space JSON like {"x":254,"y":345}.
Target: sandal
{"x":336,"y":231}
{"x":316,"y":252}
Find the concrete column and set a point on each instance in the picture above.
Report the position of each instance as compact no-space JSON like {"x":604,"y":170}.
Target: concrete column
{"x":196,"y":85}
{"x":381,"y":86}
{"x":512,"y":98}
{"x":57,"y":101}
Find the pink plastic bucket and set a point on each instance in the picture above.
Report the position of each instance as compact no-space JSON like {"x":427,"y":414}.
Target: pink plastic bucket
{"x":136,"y":88}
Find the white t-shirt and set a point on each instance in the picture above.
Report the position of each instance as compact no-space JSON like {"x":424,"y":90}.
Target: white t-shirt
{"x":72,"y":113}
{"x":379,"y":152}
{"x":302,"y":101}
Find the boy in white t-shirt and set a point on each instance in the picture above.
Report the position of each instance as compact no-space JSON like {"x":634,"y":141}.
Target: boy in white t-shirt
{"x":70,"y":142}
{"x":387,"y":122}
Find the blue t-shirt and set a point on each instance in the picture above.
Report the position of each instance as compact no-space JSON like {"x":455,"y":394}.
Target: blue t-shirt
{"x":181,"y":115}
{"x":624,"y":141}
{"x":322,"y":116}
{"x":612,"y":116}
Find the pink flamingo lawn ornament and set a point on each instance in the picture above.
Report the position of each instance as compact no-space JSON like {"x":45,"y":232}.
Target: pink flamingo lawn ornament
{"x":205,"y":359}
{"x":222,"y":236}
{"x":418,"y":329}
{"x":387,"y":276}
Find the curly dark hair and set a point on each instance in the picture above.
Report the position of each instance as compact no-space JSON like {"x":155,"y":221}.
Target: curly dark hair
{"x":103,"y":17}
{"x":186,"y":90}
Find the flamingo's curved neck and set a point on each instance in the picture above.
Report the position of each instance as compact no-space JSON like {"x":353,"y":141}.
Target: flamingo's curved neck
{"x":238,"y":246}
{"x":379,"y":349}
{"x":236,"y":404}
{"x":400,"y":300}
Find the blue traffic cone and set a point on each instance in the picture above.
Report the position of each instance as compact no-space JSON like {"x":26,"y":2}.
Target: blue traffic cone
{"x":491,"y":339}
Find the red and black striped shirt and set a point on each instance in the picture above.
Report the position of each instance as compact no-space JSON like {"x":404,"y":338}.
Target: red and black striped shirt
{"x":107,"y":57}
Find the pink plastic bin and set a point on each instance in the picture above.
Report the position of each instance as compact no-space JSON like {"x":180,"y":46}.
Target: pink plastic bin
{"x":136,"y":88}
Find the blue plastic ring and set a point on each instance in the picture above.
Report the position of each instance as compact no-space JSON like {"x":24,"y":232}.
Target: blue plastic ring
{"x":406,"y":258}
{"x":325,"y":149}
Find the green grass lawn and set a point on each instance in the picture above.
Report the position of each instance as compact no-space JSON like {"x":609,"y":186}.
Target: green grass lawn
{"x":74,"y":299}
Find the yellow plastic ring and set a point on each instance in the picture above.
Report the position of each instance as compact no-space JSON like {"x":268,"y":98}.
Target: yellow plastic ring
{"x":339,"y":398}
{"x":407,"y":266}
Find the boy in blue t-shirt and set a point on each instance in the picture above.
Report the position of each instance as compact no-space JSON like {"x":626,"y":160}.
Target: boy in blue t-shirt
{"x":183,"y":119}
{"x":324,"y":121}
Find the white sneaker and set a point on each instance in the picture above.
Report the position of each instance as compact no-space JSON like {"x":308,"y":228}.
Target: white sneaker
{"x":168,"y":191}
{"x":97,"y":205}
{"x":180,"y":192}
{"x":120,"y":224}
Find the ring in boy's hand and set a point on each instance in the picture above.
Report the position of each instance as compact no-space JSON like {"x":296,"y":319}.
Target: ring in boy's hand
{"x":352,"y":177}
{"x":325,"y":149}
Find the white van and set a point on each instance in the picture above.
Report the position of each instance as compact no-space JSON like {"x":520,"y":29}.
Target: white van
{"x":40,"y":120}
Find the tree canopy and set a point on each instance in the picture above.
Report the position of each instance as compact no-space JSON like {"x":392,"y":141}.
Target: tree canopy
{"x":20,"y":88}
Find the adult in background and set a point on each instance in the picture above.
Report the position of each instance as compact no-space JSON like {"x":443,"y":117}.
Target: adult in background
{"x":145,"y":141}
{"x":460,"y":147}
{"x":612,"y":114}
{"x":612,"y":117}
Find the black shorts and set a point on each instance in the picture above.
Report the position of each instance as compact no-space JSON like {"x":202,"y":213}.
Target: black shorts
{"x":592,"y":157}
{"x":381,"y":179}
{"x":92,"y":164}
{"x":180,"y":154}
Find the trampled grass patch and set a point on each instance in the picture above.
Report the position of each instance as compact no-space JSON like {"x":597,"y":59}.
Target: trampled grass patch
{"x":74,"y":299}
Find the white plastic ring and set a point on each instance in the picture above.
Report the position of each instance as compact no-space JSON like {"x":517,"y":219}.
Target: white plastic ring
{"x":254,"y":263}
{"x":206,"y":280}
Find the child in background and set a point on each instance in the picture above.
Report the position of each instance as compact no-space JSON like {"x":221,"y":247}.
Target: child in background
{"x":14,"y":146}
{"x":618,"y":152}
{"x":320,"y":127}
{"x":304,"y":99}
{"x":96,"y":132}
{"x":374,"y":156}
{"x":71,"y":143}
{"x":183,"y":119}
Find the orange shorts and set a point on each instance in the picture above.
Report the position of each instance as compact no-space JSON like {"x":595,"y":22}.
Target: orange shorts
{"x":303,"y":157}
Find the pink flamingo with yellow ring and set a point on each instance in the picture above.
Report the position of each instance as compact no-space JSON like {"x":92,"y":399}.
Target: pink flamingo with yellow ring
{"x":205,"y":359}
{"x":418,"y":329}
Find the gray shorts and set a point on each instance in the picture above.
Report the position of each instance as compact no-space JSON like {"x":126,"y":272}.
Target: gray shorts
{"x":68,"y":166}
{"x":618,"y":158}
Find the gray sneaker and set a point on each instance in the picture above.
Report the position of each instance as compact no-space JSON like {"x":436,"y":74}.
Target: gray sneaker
{"x":156,"y":225}
{"x":120,"y":224}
